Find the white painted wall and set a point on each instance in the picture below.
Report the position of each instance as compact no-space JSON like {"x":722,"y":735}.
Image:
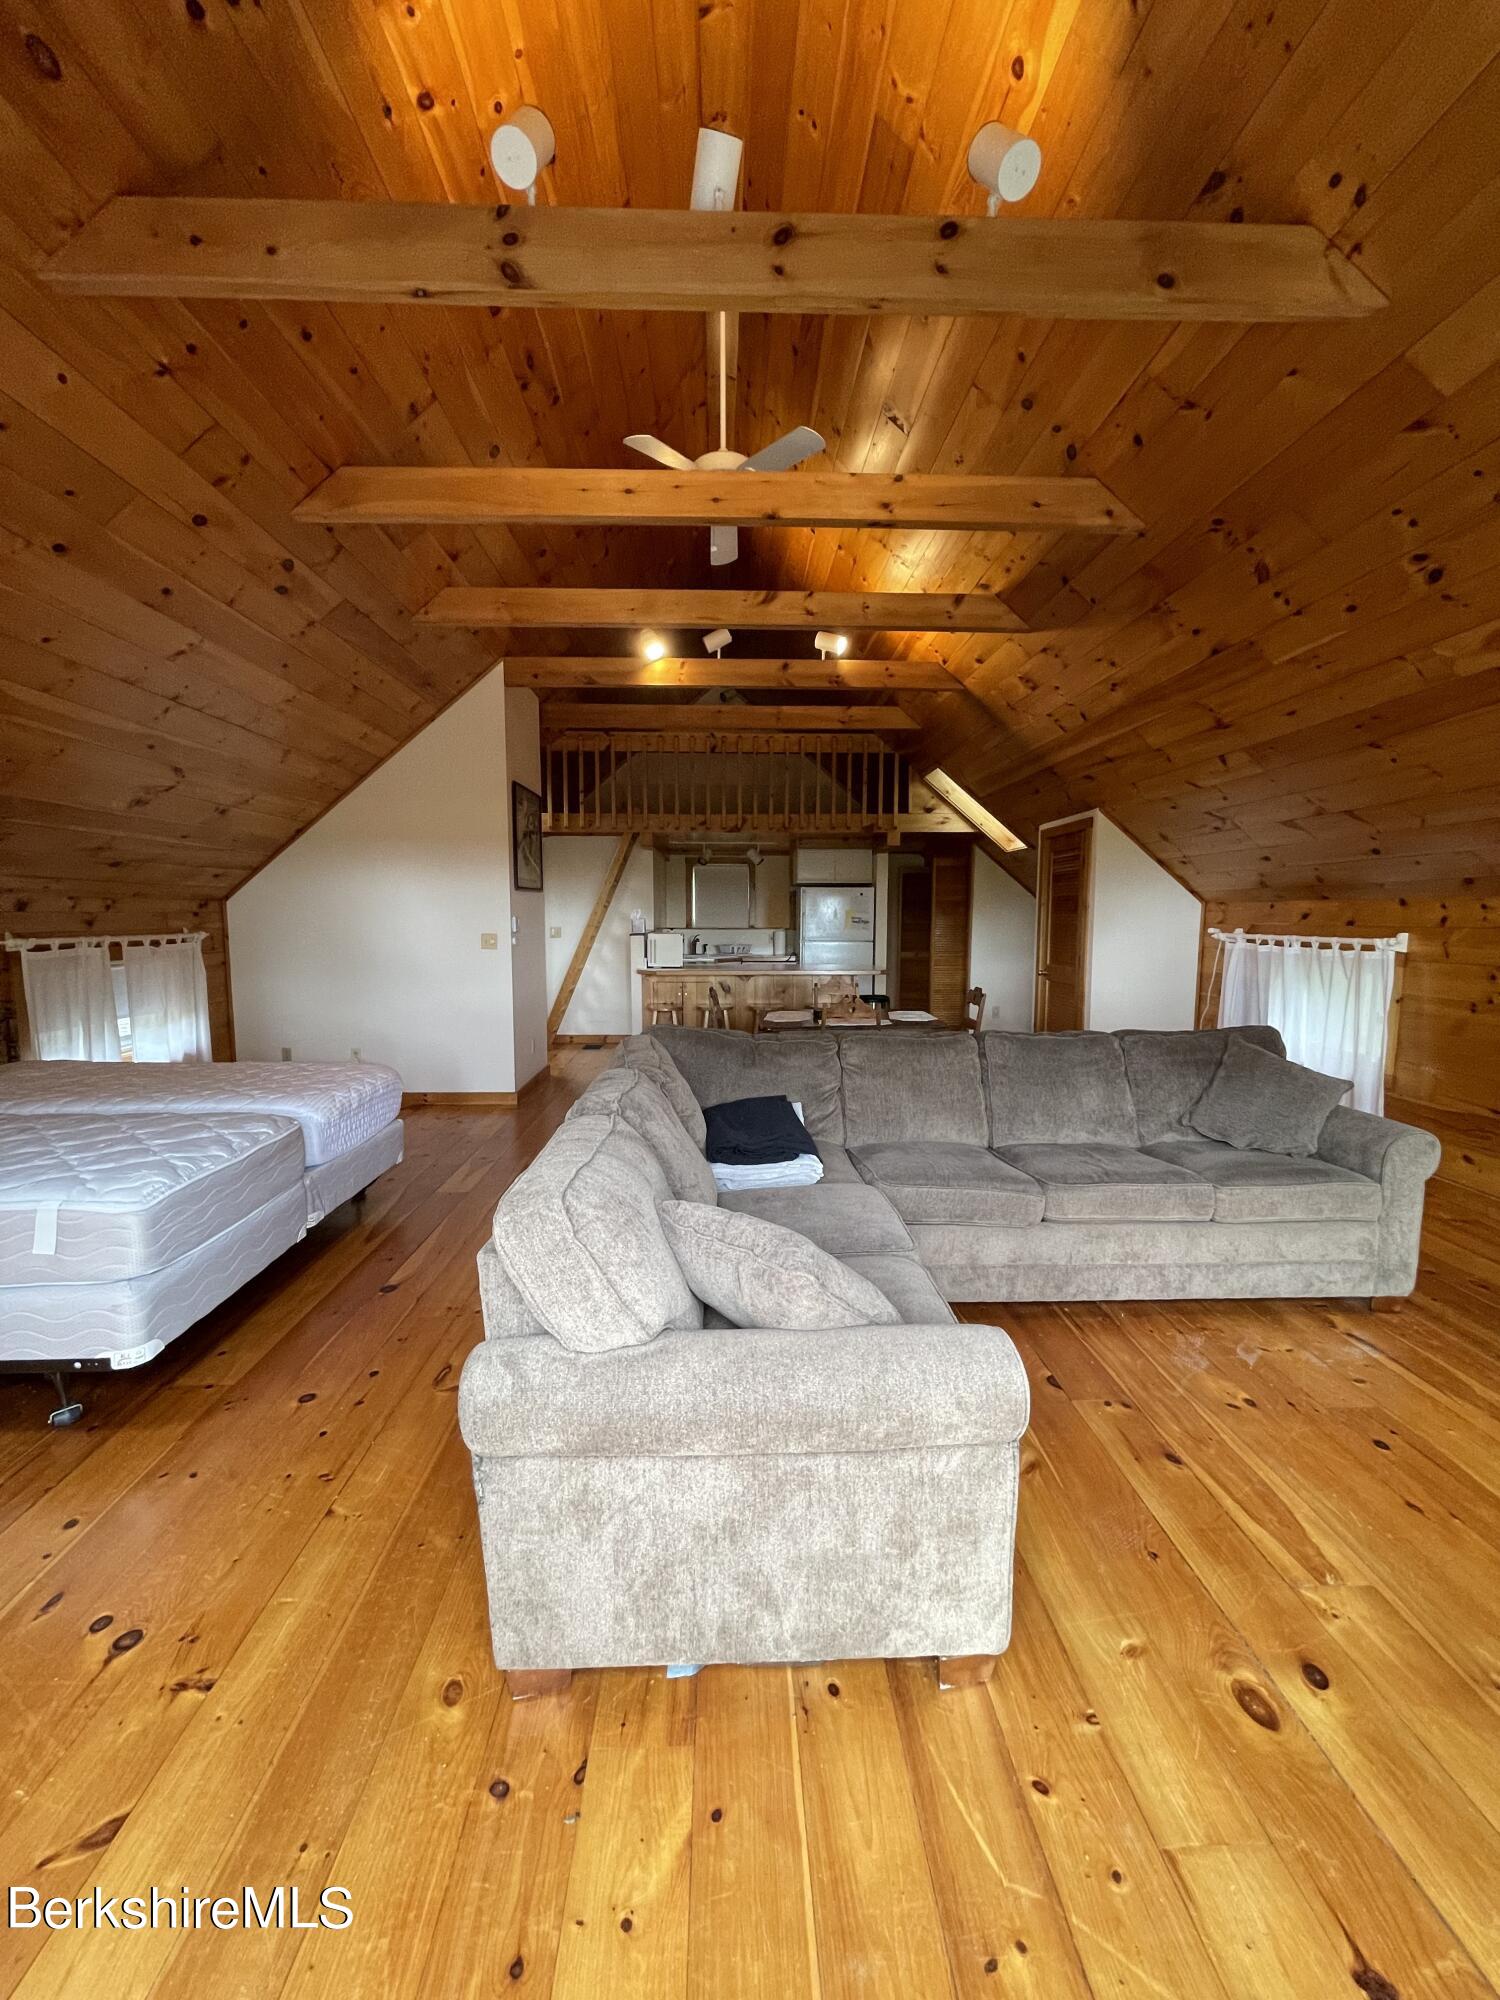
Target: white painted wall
{"x":528,"y":941}
{"x":365,"y":932}
{"x":1002,"y":945}
{"x":575,"y":865}
{"x":1143,"y":938}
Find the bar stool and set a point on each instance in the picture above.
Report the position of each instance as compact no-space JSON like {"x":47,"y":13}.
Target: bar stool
{"x":715,"y":1014}
{"x":671,"y":1010}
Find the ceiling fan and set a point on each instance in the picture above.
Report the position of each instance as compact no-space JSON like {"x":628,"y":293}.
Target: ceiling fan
{"x":716,"y":175}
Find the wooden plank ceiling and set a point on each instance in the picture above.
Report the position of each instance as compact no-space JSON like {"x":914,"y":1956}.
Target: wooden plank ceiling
{"x":1291,"y":682}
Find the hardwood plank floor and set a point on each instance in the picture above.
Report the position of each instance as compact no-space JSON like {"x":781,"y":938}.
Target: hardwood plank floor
{"x":1244,"y":1744}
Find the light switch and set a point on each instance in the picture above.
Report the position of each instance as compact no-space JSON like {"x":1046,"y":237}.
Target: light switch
{"x":554,"y":930}
{"x":489,"y":940}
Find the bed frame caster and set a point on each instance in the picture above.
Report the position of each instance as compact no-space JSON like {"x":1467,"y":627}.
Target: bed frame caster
{"x":68,"y":1410}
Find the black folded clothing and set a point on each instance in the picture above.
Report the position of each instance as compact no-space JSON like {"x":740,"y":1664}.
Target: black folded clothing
{"x":755,"y":1132}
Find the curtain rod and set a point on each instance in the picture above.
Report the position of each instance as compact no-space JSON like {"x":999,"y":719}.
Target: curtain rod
{"x":130,"y":937}
{"x":1401,"y":941}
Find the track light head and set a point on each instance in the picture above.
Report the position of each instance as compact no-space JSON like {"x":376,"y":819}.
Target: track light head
{"x":653,"y":647}
{"x":1004,"y":163}
{"x":831,"y":644}
{"x":715,"y":642}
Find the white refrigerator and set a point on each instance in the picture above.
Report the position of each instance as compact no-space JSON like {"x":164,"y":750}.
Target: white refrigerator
{"x":836,"y":928}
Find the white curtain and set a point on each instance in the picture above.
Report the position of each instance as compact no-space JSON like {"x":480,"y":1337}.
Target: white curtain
{"x":1331,"y":1003}
{"x":70,"y":1003}
{"x":166,"y":993}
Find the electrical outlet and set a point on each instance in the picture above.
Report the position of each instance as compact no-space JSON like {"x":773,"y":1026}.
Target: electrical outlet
{"x":489,"y":940}
{"x":286,"y":1055}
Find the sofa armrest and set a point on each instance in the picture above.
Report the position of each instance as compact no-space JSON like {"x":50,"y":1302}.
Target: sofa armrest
{"x":1379,"y":1148}
{"x":711,"y":1392}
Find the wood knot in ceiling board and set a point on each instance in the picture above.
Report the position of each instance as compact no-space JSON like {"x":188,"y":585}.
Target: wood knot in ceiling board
{"x":43,"y":59}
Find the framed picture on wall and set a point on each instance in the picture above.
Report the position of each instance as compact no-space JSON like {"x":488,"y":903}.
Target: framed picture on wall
{"x":525,"y":836}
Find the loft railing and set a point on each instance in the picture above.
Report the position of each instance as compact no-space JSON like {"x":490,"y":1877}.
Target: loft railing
{"x":643,"y":783}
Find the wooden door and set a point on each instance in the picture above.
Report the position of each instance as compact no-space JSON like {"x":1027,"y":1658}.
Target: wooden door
{"x":1062,"y":907}
{"x":910,"y":979}
{"x":948,"y":954}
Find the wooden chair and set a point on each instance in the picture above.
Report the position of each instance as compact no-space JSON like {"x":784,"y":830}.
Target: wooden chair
{"x":974,"y":1009}
{"x":713,"y":1012}
{"x":673,"y":1011}
{"x":843,"y":1006}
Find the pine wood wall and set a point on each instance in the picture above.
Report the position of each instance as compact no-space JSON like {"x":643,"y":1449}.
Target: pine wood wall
{"x":37,"y":911}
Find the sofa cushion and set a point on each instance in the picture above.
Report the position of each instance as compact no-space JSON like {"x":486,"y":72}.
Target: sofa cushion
{"x":919,"y":1086}
{"x":722,"y":1064}
{"x":580,"y":1238}
{"x":1169,"y":1070}
{"x":639,"y":1099}
{"x":926,"y":1180}
{"x":837,"y":1165}
{"x":1111,"y":1184}
{"x":908,"y":1287}
{"x":950,"y":1246}
{"x":640,"y":1052}
{"x":1273,"y":1187}
{"x":1063,"y":1089}
{"x":845,"y":1218}
{"x":759,"y":1274}
{"x":1266,"y":1104}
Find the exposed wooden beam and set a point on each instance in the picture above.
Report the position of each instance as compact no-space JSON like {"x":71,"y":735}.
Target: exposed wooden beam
{"x":612,"y":874}
{"x":680,"y":260}
{"x":738,"y":719}
{"x":523,"y":607}
{"x":832,"y":675}
{"x":470,"y":495}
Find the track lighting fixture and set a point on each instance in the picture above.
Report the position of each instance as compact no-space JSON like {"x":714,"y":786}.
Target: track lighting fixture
{"x":521,"y":147}
{"x":831,"y":645}
{"x":1004,"y":163}
{"x":652,"y":647}
{"x":715,"y":642}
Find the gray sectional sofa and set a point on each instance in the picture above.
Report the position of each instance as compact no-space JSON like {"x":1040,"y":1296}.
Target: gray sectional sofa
{"x":656,"y":1485}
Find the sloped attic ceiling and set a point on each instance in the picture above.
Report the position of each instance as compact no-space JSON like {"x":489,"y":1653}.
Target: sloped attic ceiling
{"x":1290,"y":682}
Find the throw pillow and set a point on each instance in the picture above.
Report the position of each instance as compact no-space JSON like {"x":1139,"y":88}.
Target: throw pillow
{"x":758,"y":1274}
{"x":581,"y":1238}
{"x":635,"y":1096}
{"x":1265,"y":1104}
{"x":646,"y":1053}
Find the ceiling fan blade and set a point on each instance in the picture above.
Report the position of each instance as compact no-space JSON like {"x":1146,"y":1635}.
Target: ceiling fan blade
{"x":723,"y":545}
{"x":716,"y":169}
{"x":785,"y":452}
{"x":664,"y":454}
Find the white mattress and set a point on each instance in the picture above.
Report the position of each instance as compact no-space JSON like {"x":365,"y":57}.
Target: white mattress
{"x":337,"y":1104}
{"x":129,"y":1320}
{"x":87,"y":1199}
{"x":337,"y":1180}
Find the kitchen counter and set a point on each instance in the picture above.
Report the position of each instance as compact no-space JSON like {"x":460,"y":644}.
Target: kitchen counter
{"x":730,"y":968}
{"x":746,"y":987}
